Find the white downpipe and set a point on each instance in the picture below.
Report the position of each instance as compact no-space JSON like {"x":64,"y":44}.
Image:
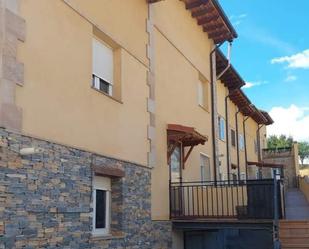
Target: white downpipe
{"x":229,"y":52}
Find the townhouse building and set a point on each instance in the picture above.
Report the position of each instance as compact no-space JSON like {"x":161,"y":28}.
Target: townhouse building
{"x":117,"y":119}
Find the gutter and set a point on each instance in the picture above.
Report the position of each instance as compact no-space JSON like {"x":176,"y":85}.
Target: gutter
{"x":226,"y":19}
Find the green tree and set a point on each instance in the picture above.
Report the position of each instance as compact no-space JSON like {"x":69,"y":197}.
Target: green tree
{"x":282,"y":141}
{"x":303,"y":151}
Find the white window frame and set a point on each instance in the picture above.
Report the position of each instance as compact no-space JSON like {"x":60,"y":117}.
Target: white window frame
{"x":201,"y":93}
{"x":241,"y":142}
{"x":102,"y":72}
{"x":101,"y":183}
{"x":255,"y":146}
{"x":242,"y":176}
{"x":222,"y":134}
{"x":204,"y":167}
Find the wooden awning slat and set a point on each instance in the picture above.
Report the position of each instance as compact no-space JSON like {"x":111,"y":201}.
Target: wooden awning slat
{"x":195,"y":4}
{"x":210,"y":14}
{"x":265,"y":165}
{"x":188,"y":136}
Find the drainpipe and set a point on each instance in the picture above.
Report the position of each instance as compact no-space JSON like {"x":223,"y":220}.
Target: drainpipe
{"x":237,"y":142}
{"x":258,"y":139}
{"x":228,"y":160}
{"x":227,"y":138}
{"x":214,"y":113}
{"x":245,"y":142}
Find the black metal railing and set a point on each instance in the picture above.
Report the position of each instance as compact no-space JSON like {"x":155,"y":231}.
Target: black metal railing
{"x":251,"y":199}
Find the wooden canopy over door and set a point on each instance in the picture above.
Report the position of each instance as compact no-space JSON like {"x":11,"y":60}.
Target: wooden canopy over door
{"x":184,"y":136}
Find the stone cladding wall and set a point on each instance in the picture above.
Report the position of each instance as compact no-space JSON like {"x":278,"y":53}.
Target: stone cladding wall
{"x":46,"y":199}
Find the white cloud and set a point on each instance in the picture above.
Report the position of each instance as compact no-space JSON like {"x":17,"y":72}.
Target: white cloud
{"x":237,"y":19}
{"x":299,"y":60}
{"x":250,"y":84}
{"x":290,"y":78}
{"x":292,"y":121}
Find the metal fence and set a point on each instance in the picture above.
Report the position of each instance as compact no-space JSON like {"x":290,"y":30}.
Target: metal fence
{"x":250,"y":199}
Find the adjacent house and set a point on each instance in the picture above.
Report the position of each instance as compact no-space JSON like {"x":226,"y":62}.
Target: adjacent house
{"x":123,"y":125}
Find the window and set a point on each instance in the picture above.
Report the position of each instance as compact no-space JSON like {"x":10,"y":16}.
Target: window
{"x":101,"y":205}
{"x":176,"y":165}
{"x":202,"y":92}
{"x":103,"y":67}
{"x":234,"y":178}
{"x":205,"y":168}
{"x":255,"y":147}
{"x":241,"y":142}
{"x":242,"y":176}
{"x":233,"y":137}
{"x":221,"y":122}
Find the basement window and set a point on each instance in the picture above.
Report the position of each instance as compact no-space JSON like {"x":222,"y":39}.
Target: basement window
{"x":101,"y":205}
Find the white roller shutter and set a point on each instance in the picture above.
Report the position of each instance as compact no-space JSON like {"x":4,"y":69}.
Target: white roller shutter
{"x":103,"y":61}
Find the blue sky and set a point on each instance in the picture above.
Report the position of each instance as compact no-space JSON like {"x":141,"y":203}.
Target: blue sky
{"x":270,"y":54}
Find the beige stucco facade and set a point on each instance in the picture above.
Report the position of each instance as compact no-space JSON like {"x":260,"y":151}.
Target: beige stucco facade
{"x":179,"y":62}
{"x":57,"y":99}
{"x":58,"y":103}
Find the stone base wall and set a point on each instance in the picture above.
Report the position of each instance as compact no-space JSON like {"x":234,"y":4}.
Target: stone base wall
{"x":46,"y":199}
{"x":289,"y":159}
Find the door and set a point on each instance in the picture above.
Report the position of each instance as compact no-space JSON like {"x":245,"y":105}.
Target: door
{"x":176,"y":165}
{"x":204,"y":240}
{"x":176,"y":190}
{"x":205,"y":168}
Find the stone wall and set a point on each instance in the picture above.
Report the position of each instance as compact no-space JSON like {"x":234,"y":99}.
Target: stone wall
{"x":289,"y":158}
{"x":304,"y":186}
{"x":46,"y":200}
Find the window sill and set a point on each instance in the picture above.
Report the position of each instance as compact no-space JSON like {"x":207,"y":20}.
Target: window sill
{"x":96,"y":237}
{"x":107,"y":95}
{"x":204,"y":108}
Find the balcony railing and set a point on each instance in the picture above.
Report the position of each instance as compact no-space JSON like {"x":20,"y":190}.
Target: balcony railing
{"x":251,"y":199}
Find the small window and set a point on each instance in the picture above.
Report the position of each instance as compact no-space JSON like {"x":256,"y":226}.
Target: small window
{"x":205,"y":168}
{"x":101,"y":205}
{"x":241,"y":142}
{"x":202,"y":93}
{"x":233,"y":138}
{"x":103,"y":67}
{"x":242,"y":176}
{"x":255,"y":147}
{"x":234,"y":178}
{"x":221,"y":122}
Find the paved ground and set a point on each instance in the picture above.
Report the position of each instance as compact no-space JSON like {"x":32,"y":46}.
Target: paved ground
{"x":297,"y":207}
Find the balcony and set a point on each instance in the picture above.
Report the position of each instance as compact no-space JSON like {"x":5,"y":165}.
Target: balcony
{"x":227,"y":200}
